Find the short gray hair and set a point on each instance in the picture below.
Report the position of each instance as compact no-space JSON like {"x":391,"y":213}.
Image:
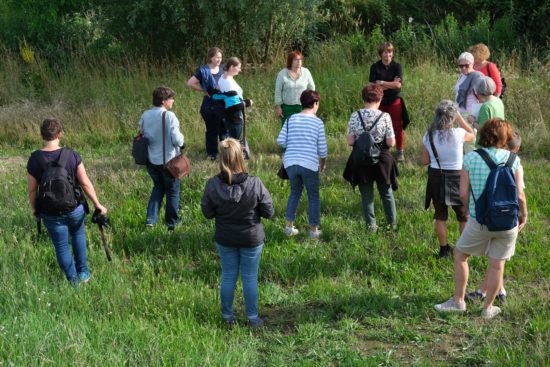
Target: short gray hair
{"x":485,"y":86}
{"x":466,"y":56}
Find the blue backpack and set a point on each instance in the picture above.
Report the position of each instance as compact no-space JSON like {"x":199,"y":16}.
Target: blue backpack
{"x":497,"y":207}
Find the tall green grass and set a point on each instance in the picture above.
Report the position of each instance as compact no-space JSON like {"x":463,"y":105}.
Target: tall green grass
{"x":352,"y":299}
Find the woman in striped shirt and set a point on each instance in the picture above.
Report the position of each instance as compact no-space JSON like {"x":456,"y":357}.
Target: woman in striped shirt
{"x":303,"y":137}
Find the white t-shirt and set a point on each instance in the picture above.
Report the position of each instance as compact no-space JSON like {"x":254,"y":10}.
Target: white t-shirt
{"x":227,"y":85}
{"x":450,"y":151}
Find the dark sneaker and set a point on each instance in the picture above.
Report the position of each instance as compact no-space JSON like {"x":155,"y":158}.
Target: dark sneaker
{"x":231,"y":322}
{"x":474,"y":296}
{"x":501,"y":297}
{"x":444,"y":251}
{"x":400,"y":156}
{"x":211,"y":157}
{"x":255,"y":323}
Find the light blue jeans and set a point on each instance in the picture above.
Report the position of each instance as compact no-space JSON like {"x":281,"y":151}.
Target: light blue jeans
{"x":247,"y":260}
{"x":60,"y":227}
{"x":388,"y":201}
{"x":299,"y":177}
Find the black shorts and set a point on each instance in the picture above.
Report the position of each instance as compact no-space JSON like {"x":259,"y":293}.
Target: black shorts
{"x":437,"y":194}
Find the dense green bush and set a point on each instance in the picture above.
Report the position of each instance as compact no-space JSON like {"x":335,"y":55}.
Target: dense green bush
{"x":261,"y":32}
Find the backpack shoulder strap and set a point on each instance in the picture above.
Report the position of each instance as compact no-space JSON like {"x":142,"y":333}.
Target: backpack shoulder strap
{"x":434,"y":151}
{"x":486,"y":158}
{"x":63,"y":157}
{"x":376,"y":121}
{"x":511,"y":159}
{"x":362,"y":122}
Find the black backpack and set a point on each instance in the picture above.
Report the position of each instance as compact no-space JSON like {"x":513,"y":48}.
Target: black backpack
{"x":56,"y":190}
{"x":502,"y":80}
{"x":497,"y":207}
{"x":365,"y":151}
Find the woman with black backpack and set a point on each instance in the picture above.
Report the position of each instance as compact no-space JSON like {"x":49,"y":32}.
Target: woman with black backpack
{"x":370,"y":120}
{"x":55,"y":175}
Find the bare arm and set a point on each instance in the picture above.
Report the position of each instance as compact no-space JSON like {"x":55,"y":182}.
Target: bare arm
{"x":322,"y":164}
{"x":390,"y":142}
{"x":522,"y":200}
{"x":88,"y":188}
{"x":470,"y":133}
{"x":350,"y":139}
{"x":195,"y":84}
{"x":32,"y":186}
{"x":425,"y":156}
{"x":464,"y":189}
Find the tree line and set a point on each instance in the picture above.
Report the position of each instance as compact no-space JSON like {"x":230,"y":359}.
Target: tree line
{"x":260,"y":31}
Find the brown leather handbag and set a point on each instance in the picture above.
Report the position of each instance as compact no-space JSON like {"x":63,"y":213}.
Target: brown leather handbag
{"x":180,"y":165}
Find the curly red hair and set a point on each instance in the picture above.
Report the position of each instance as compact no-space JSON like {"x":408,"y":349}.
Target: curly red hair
{"x":496,"y":133}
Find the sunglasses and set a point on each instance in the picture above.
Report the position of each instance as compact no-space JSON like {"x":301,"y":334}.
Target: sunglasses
{"x":463,"y":65}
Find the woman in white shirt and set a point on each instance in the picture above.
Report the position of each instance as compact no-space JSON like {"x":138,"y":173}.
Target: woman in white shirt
{"x":232,"y":93}
{"x":444,"y":167}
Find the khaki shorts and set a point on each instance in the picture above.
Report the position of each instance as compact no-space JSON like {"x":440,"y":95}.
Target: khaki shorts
{"x":477,"y":240}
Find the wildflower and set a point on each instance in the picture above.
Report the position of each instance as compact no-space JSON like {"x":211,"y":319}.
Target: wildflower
{"x":26,"y":52}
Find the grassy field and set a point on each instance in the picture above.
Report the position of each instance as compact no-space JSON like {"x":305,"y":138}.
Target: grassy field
{"x":352,"y":299}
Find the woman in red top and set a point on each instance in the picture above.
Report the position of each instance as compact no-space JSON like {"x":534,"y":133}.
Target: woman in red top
{"x":481,"y":55}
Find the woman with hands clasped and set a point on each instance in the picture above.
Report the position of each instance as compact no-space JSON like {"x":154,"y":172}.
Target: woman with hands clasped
{"x":290,"y":84}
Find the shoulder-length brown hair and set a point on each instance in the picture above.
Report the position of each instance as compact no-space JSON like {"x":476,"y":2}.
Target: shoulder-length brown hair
{"x":496,"y":133}
{"x":291,"y":56}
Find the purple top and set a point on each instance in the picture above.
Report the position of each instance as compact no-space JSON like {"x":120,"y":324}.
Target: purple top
{"x":35,"y":169}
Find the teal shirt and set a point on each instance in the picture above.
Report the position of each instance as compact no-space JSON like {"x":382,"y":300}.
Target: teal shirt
{"x":479,"y":171}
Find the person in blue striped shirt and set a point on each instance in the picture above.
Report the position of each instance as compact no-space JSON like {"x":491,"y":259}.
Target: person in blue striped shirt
{"x":303,"y":137}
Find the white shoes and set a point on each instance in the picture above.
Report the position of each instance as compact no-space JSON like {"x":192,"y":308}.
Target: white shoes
{"x":291,"y":231}
{"x":451,"y":306}
{"x":489,"y":313}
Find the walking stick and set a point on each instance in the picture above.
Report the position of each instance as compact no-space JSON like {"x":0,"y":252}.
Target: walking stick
{"x":102,"y":221}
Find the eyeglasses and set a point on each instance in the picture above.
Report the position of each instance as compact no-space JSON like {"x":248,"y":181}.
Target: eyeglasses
{"x":298,"y":59}
{"x":463,"y":65}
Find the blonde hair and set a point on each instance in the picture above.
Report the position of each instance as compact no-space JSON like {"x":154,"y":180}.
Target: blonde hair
{"x":231,"y":157}
{"x":480,"y":51}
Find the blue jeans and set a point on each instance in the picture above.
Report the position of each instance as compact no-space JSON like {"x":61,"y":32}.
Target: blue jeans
{"x":247,"y":260}
{"x":163,"y":184}
{"x":60,"y":227}
{"x":213,"y":116}
{"x":299,"y":177}
{"x":367,"y":201}
{"x":234,"y":130}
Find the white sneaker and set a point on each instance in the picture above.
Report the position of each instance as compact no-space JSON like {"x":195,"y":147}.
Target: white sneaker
{"x":489,"y":313}
{"x":314,"y":235}
{"x":451,"y":306}
{"x":291,"y":231}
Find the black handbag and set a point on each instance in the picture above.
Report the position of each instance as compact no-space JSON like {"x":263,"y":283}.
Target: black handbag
{"x":140,"y":149}
{"x":449,"y":193}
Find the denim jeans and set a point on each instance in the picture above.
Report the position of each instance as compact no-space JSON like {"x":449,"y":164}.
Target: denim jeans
{"x":60,"y":227}
{"x":234,"y":130}
{"x":163,"y":184}
{"x":367,"y":201}
{"x":299,"y":177}
{"x":213,"y":116}
{"x":247,"y":261}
